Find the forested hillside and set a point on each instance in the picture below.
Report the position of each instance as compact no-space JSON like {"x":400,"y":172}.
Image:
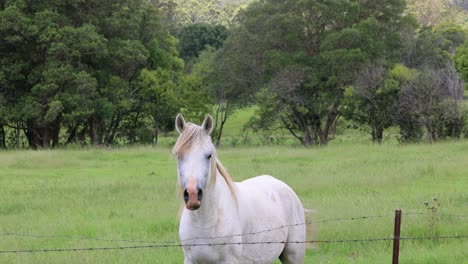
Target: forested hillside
{"x":117,"y":72}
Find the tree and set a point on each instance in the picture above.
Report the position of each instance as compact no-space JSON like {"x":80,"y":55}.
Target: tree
{"x":372,"y":100}
{"x":461,"y":60}
{"x":434,"y":97}
{"x":50,"y":82}
{"x":193,"y":39}
{"x":455,"y":112}
{"x":190,"y":12}
{"x":71,"y":65}
{"x":312,"y":49}
{"x":2,"y":123}
{"x":430,"y":13}
{"x":159,"y":99}
{"x":411,"y":129}
{"x":432,"y":47}
{"x":215,"y":75}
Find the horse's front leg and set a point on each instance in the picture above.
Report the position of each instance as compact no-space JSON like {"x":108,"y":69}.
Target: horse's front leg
{"x":187,"y":261}
{"x":228,"y":262}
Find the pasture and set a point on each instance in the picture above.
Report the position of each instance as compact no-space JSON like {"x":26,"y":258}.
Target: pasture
{"x":130,"y":194}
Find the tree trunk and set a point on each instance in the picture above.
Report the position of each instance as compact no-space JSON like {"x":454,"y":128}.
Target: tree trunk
{"x":156,"y":128}
{"x":133,"y":137}
{"x":220,"y":132}
{"x":379,"y":134}
{"x":374,"y":128}
{"x":55,"y":131}
{"x":45,"y":137}
{"x":108,"y":131}
{"x":323,"y":137}
{"x":215,"y":126}
{"x":41,"y":136}
{"x":2,"y":137}
{"x":224,"y":116}
{"x":32,"y":134}
{"x":17,"y":136}
{"x":307,"y":139}
{"x":430,"y":132}
{"x":72,"y":134}
{"x":93,"y":135}
{"x":331,"y":118}
{"x":113,"y":130}
{"x":82,"y":134}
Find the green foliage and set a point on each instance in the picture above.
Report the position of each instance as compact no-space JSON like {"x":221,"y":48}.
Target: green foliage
{"x":373,"y":99}
{"x":163,"y":54}
{"x":215,"y":73}
{"x":452,"y":33}
{"x":429,"y":13}
{"x":72,"y":64}
{"x":461,"y":60}
{"x":433,"y":99}
{"x":110,"y":72}
{"x":158,"y":98}
{"x":215,"y":12}
{"x":306,"y":53}
{"x":433,"y":46}
{"x":410,"y":126}
{"x":196,"y":87}
{"x":193,"y":39}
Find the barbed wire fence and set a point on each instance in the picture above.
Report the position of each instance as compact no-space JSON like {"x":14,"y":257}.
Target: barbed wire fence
{"x":147,"y":244}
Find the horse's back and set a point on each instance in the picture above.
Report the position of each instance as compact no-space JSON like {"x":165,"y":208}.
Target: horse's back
{"x":271,"y":211}
{"x":269,"y":189}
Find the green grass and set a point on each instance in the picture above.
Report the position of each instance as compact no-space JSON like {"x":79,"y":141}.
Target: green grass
{"x":235,"y":123}
{"x":131,"y":194}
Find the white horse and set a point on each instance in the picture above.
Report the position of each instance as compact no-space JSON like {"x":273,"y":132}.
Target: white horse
{"x":255,"y":221}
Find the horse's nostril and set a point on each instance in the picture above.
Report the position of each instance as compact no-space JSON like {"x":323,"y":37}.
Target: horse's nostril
{"x":186,"y":196}
{"x":200,"y":194}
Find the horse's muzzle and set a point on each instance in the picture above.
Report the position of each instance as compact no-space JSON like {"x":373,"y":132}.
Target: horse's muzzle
{"x":192,"y":198}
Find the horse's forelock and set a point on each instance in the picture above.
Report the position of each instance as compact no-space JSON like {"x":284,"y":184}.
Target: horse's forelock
{"x":192,"y":133}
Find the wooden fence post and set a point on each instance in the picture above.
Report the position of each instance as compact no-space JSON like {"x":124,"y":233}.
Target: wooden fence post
{"x":396,"y":236}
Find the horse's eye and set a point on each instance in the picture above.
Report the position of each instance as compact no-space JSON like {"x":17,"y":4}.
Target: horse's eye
{"x":209,"y":156}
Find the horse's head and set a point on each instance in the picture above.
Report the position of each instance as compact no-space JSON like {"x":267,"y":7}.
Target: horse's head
{"x":196,"y":164}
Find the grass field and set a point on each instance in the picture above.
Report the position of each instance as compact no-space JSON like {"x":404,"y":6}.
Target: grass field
{"x":130,"y":194}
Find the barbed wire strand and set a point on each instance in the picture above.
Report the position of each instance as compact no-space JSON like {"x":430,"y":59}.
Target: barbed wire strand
{"x":435,"y":214}
{"x":293,"y":225}
{"x":229,"y":236}
{"x":195,"y":238}
{"x":226,"y":244}
{"x":88,"y":238}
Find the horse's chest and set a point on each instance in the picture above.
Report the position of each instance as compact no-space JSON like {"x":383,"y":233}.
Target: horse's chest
{"x":211,"y":244}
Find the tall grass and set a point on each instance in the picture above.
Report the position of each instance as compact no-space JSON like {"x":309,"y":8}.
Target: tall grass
{"x":130,"y":194}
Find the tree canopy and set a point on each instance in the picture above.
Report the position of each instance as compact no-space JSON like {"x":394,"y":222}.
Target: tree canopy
{"x":73,"y":65}
{"x":306,"y":52}
{"x":110,"y":72}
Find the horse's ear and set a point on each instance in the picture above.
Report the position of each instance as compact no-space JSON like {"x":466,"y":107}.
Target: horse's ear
{"x":208,"y":124}
{"x":180,"y":123}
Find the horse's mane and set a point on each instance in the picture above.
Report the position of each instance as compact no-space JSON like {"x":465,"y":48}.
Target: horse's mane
{"x":191,"y":134}
{"x":226,"y":177}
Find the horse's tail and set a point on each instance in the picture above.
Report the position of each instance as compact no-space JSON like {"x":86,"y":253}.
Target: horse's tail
{"x":311,"y":230}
